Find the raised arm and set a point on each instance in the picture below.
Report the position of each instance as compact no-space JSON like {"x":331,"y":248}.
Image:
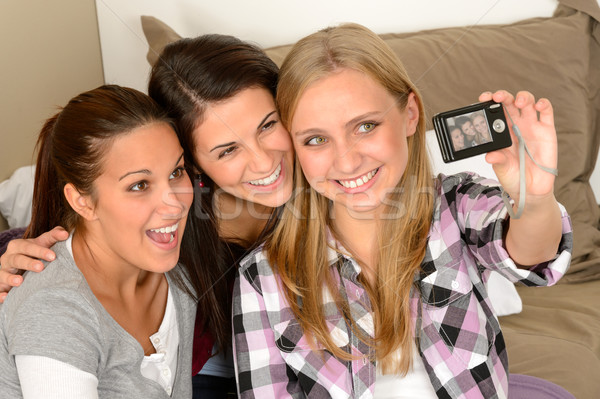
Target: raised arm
{"x":534,"y":237}
{"x":26,"y":254}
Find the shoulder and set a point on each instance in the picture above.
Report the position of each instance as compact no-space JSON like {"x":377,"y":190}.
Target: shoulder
{"x":255,"y":271}
{"x":256,"y":263}
{"x":50,"y":307}
{"x":56,"y":299}
{"x":60,"y":282}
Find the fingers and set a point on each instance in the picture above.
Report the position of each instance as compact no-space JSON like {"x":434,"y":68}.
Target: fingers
{"x":18,"y":261}
{"x":9,"y":280}
{"x":25,"y":254}
{"x":50,"y":238}
{"x":495,"y":157}
{"x":525,"y":102}
{"x":523,"y":105}
{"x":485,"y":96}
{"x":3,"y":297}
{"x":544,"y":107}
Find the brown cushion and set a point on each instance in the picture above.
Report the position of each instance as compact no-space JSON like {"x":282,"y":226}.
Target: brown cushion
{"x":557,"y":336}
{"x":554,"y":57}
{"x":550,"y":57}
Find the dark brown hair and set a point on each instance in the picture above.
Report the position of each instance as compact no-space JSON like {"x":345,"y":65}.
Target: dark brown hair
{"x":189,"y":75}
{"x":72,"y":144}
{"x":71,"y":147}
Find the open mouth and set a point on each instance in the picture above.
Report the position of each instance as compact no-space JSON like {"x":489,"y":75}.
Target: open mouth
{"x":360,"y":181}
{"x":163,"y":235}
{"x":267,"y":180}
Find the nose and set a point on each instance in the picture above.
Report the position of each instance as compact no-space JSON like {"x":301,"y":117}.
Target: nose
{"x":260,"y":159}
{"x":347,"y":157}
{"x":171,"y":204}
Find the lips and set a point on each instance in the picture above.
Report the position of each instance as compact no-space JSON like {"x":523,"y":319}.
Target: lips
{"x":164,"y":237}
{"x":267,"y":180}
{"x":353,"y":183}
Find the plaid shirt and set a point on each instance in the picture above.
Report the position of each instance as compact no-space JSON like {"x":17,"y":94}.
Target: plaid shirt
{"x":457,"y":332}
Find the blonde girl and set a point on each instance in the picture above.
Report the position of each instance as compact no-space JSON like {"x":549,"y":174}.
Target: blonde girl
{"x":373,"y":282}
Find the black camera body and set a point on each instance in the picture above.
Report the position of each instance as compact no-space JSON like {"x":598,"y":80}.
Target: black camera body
{"x":471,"y":130}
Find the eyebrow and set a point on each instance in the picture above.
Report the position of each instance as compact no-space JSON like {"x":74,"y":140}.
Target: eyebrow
{"x":265,"y":119}
{"x":146,"y":171}
{"x":347,"y":125}
{"x":262,"y":122}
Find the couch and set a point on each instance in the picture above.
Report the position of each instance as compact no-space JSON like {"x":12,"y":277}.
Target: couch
{"x":556,"y":335}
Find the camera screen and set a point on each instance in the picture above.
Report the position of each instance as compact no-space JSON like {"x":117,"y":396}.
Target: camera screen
{"x":469,"y":130}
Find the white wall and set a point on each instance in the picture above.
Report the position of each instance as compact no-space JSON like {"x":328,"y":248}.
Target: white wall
{"x":272,"y":22}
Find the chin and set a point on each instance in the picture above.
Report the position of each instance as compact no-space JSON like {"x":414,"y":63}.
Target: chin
{"x":274,"y":200}
{"x":362,"y":208}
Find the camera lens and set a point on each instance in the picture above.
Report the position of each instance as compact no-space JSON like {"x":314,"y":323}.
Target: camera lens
{"x":499,"y":125}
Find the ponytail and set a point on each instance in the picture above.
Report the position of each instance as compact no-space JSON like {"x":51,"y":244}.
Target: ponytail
{"x":49,"y":208}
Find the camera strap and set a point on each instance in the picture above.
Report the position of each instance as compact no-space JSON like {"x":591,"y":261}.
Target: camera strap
{"x":522,"y":184}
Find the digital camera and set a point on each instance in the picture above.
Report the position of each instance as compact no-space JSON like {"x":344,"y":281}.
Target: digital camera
{"x":471,"y":130}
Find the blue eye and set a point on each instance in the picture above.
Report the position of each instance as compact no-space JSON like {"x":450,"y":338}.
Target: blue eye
{"x":317,"y":140}
{"x":177,"y":173}
{"x":367,"y":127}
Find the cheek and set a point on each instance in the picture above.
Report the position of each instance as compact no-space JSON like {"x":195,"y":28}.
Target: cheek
{"x":280,"y":141}
{"x":123,"y":215}
{"x":315,"y":166}
{"x":184,"y":192}
{"x":223,"y":174}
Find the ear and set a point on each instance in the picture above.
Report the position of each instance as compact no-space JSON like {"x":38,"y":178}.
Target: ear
{"x":412,"y":114}
{"x":82,"y":204}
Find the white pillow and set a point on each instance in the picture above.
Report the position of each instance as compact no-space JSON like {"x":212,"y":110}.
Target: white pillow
{"x":502,"y":293}
{"x":16,"y":194}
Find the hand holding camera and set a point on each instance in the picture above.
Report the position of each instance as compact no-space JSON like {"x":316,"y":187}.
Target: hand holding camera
{"x":539,"y":134}
{"x":487,"y":127}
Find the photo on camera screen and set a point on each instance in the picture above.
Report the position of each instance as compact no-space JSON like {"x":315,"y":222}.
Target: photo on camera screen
{"x":469,"y":130}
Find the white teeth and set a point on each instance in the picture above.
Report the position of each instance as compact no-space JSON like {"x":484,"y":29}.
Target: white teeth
{"x":168,"y":229}
{"x":360,"y":181}
{"x":268,"y":180}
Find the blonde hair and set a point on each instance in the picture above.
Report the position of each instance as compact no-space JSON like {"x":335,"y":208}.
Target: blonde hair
{"x":298,"y":247}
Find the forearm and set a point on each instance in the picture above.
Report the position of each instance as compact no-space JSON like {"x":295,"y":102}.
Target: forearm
{"x":534,"y":237}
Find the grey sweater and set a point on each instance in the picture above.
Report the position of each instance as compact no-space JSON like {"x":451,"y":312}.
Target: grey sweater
{"x":56,"y":315}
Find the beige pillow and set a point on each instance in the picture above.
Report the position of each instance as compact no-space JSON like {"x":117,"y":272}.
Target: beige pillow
{"x":554,"y":57}
{"x":158,"y":34}
{"x":551,"y":57}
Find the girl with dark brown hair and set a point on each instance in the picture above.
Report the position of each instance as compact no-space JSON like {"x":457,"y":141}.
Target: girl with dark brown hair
{"x":220,"y":92}
{"x":111,"y":317}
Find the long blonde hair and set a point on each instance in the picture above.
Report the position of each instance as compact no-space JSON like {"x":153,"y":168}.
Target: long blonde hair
{"x":298,"y":247}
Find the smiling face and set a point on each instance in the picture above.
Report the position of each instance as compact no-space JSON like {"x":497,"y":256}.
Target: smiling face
{"x":479,"y":124}
{"x":468,"y":129}
{"x":458,"y":139}
{"x":481,"y":127}
{"x":142,"y":199}
{"x":350,"y":139}
{"x":244,"y":148}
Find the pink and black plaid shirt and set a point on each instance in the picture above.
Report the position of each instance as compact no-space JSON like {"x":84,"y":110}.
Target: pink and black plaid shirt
{"x":457,"y":332}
